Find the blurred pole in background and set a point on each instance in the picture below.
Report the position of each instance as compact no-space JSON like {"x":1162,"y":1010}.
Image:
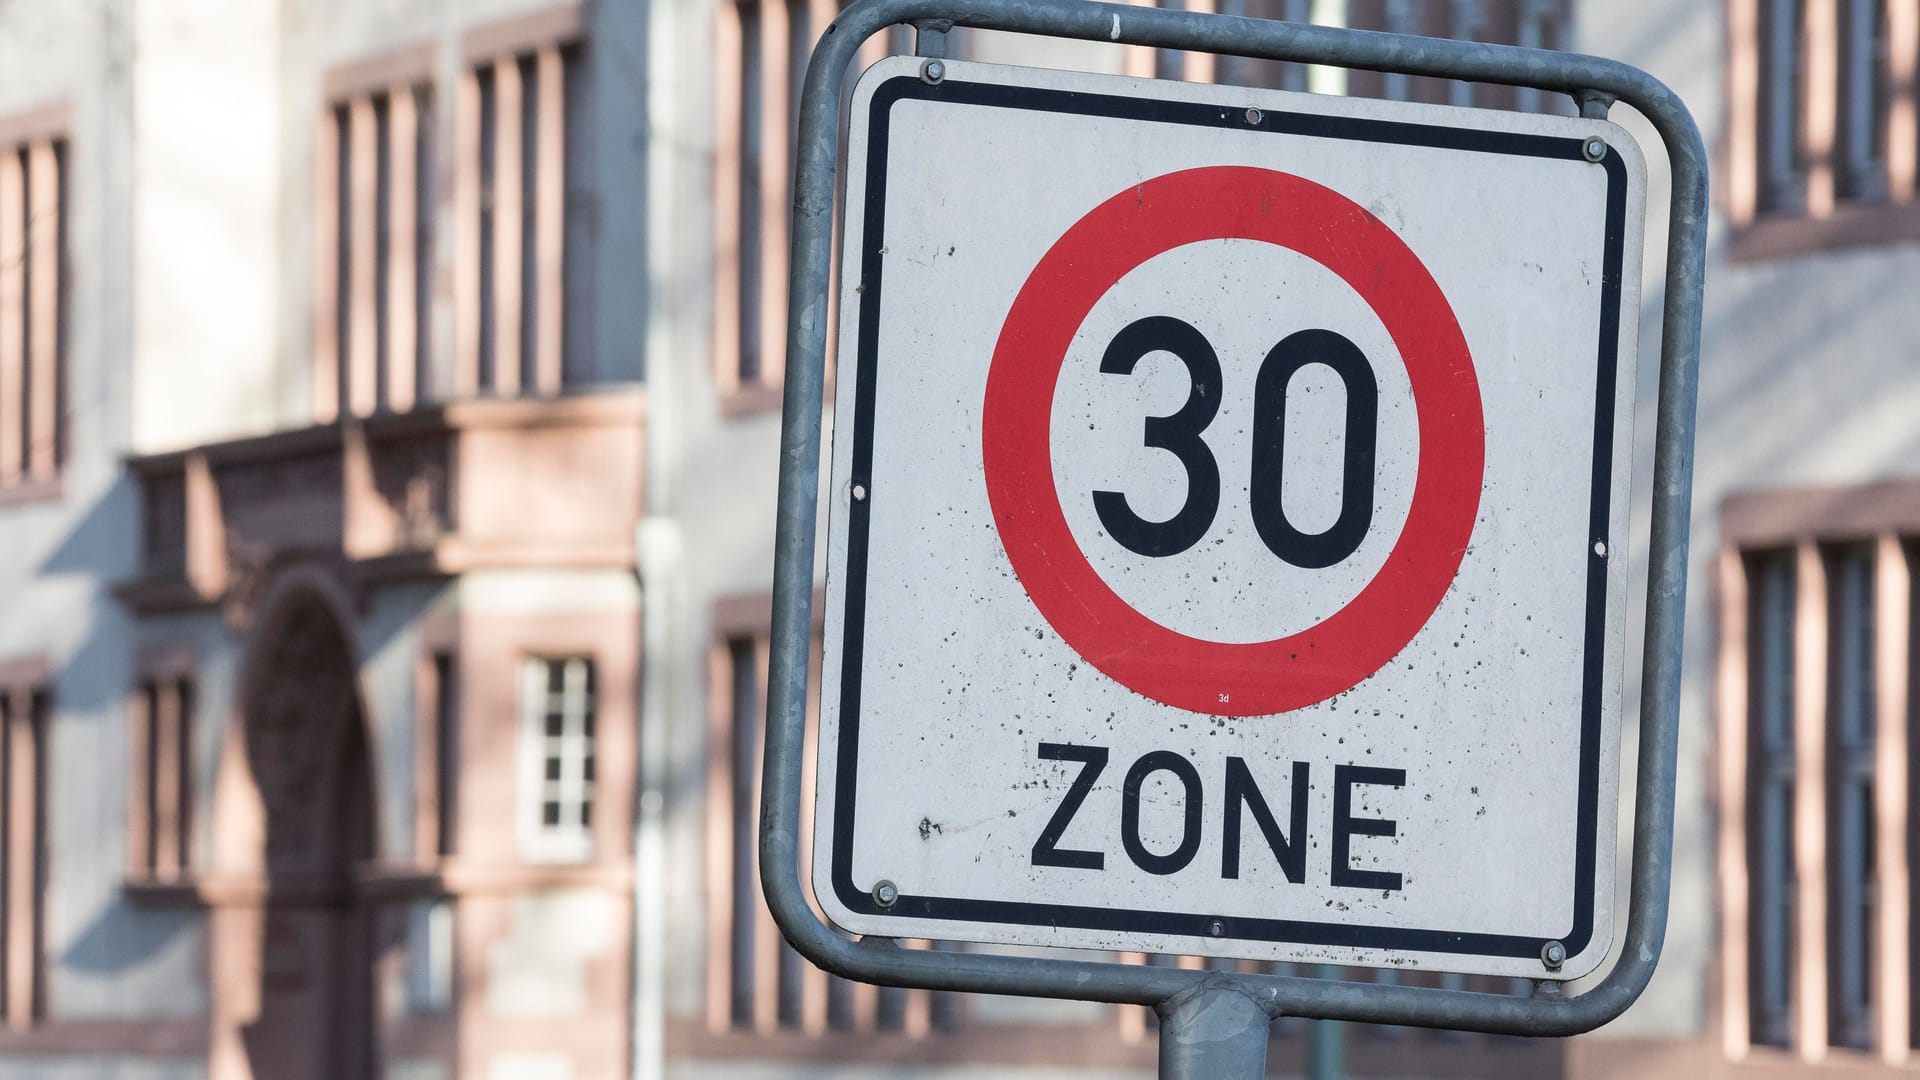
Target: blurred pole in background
{"x":643,"y":34}
{"x":1326,"y":1039}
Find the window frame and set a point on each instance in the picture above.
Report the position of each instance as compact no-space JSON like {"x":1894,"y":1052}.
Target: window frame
{"x":36,"y":145}
{"x":1813,"y":525}
{"x":26,"y":718}
{"x":566,"y":841}
{"x":372,"y":342}
{"x":1834,"y":198}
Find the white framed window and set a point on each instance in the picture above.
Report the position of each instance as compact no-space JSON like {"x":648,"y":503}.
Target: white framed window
{"x":557,"y":708}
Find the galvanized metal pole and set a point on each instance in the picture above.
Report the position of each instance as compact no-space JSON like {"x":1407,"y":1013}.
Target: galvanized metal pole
{"x":1212,"y":1032}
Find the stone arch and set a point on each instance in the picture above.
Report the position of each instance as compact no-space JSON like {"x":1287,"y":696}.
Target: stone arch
{"x":294,"y":810}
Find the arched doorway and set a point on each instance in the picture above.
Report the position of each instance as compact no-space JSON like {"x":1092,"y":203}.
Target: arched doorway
{"x":303,"y":734}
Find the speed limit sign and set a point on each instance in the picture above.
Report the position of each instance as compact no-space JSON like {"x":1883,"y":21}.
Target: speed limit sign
{"x":1228,"y":517}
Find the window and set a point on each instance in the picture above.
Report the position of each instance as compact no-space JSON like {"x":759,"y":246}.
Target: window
{"x":1822,"y":125}
{"x":33,"y":313}
{"x":436,"y":758}
{"x":161,"y":795}
{"x":1542,"y":24}
{"x":374,"y":237}
{"x":756,"y":981}
{"x":520,"y":259}
{"x":1817,"y":642}
{"x":517,"y":207}
{"x":23,"y":857}
{"x":761,"y":52}
{"x":557,"y":753}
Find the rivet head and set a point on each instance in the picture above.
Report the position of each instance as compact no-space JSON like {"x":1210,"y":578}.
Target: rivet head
{"x":1595,"y":148}
{"x":859,"y":493}
{"x":933,"y":71}
{"x":1253,"y":116}
{"x":885,"y":893}
{"x":1553,"y":954}
{"x":1600,"y":548}
{"x":1217,"y":928}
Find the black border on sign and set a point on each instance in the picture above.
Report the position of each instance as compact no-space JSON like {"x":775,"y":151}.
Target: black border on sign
{"x":1200,"y":924}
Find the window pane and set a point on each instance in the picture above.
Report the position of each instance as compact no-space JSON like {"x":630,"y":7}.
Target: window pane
{"x":1850,"y":866}
{"x":744,"y":903}
{"x":1770,"y":852}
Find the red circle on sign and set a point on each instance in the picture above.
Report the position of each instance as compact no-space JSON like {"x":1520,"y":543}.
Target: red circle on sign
{"x":1222,"y":203}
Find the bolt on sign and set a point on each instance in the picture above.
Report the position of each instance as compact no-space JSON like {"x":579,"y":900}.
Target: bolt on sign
{"x":1228,"y":506}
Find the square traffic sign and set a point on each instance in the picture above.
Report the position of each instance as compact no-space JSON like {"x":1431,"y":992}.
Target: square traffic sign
{"x":1228,"y":516}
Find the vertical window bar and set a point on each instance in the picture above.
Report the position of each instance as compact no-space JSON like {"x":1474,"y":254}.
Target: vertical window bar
{"x":1902,"y":120}
{"x":42,"y":308}
{"x":577,"y":708}
{"x":1899,"y":655}
{"x":10,"y":709}
{"x":1201,"y":67}
{"x":549,"y":216}
{"x":326,"y":268}
{"x":470,"y":231}
{"x":1821,"y":101}
{"x":168,"y":730}
{"x":13,"y":239}
{"x":39,"y":713}
{"x":362,"y":258}
{"x":140,"y":833}
{"x":1136,"y":61}
{"x":777,"y":135}
{"x":400,"y":193}
{"x":1747,"y":113}
{"x":1811,"y":640}
{"x":425,"y":211}
{"x":23,"y":858}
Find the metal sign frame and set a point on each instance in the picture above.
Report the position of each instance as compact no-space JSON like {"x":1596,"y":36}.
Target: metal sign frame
{"x":1216,"y":1021}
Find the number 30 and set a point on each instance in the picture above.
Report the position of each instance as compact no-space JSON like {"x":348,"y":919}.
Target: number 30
{"x":1180,"y":435}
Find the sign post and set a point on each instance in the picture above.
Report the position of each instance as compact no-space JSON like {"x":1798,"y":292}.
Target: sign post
{"x":1229,"y":494}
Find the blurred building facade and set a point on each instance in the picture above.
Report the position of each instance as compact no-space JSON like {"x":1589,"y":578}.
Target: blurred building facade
{"x":388,"y":429}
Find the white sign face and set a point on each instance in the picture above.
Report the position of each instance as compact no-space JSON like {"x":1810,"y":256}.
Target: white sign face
{"x":1228,"y":515}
